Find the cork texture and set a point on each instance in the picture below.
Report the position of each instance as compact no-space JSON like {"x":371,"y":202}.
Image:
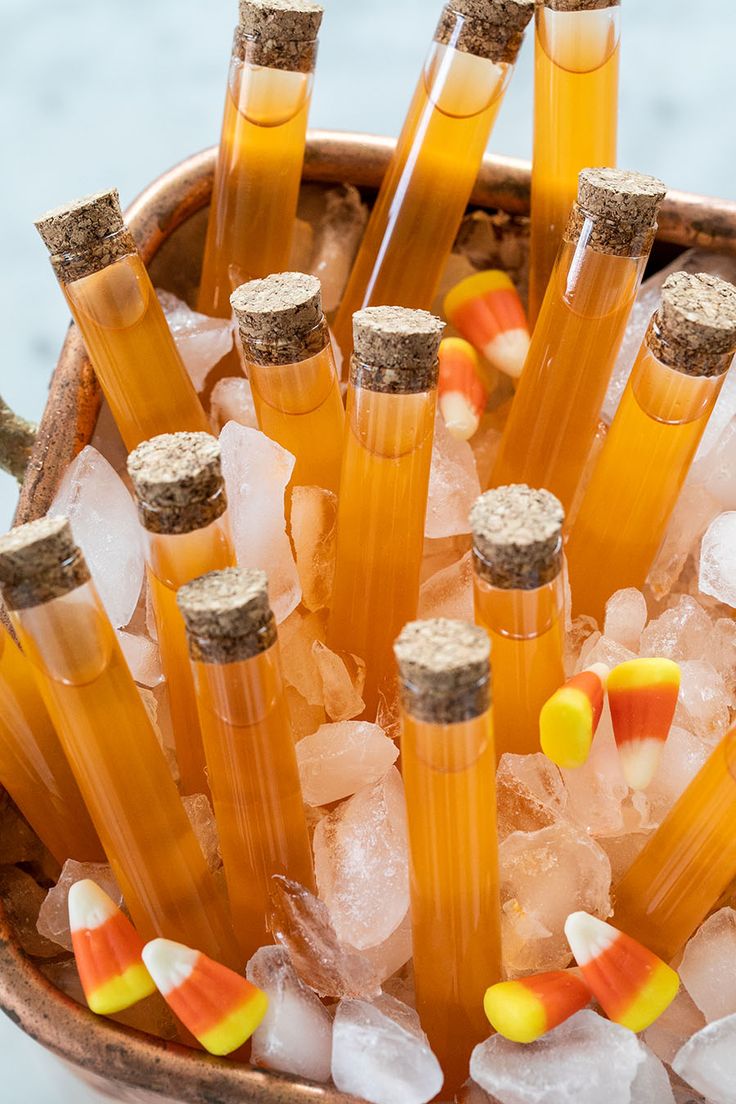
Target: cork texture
{"x":177,"y":478}
{"x":492,"y":29}
{"x":396,"y":349}
{"x":39,"y":561}
{"x":694,"y":328}
{"x":517,"y":536}
{"x":580,"y":5}
{"x":619,"y":210}
{"x":280,"y":318}
{"x":279,"y":34}
{"x":227,"y":615}
{"x":85,"y":235}
{"x":444,"y":669}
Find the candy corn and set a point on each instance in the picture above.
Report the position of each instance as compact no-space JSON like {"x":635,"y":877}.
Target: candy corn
{"x":642,"y":694}
{"x":460,"y":391}
{"x":568,"y":720}
{"x":107,"y":949}
{"x":632,"y":985}
{"x":486,"y":310}
{"x":525,"y":1009}
{"x":218,"y":1006}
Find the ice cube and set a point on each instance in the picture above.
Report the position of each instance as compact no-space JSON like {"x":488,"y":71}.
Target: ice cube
{"x":707,"y":1061}
{"x":256,"y":472}
{"x":342,"y":680}
{"x":586,"y":1060}
{"x":142,"y":657}
{"x":22,"y":898}
{"x":301,"y":922}
{"x":393,"y":953}
{"x":381,"y":1054}
{"x":202,"y":341}
{"x":105,"y":525}
{"x":336,"y":242}
{"x":232,"y":401}
{"x":305,"y":718}
{"x":339,"y":759}
{"x":297,"y":635}
{"x":530,"y":793}
{"x":576,"y":634}
{"x":453,"y":485}
{"x":449,"y":592}
{"x":703,"y":706}
{"x":623,"y":849}
{"x":202,"y":820}
{"x":295,"y":1035}
{"x":361,"y":863}
{"x":545,"y":876}
{"x":626,"y":616}
{"x":651,"y":1084}
{"x":682,"y":757}
{"x":681,"y":632}
{"x":708,"y":967}
{"x":602,"y":649}
{"x":596,"y":791}
{"x":313,"y":533}
{"x":718,"y":559}
{"x":159,"y":713}
{"x":53,"y":917}
{"x":695,"y":509}
{"x":674,"y":1027}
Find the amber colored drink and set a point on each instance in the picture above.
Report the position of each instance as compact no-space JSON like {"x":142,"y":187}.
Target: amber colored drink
{"x":33,"y":767}
{"x":687,"y":864}
{"x":575,"y":121}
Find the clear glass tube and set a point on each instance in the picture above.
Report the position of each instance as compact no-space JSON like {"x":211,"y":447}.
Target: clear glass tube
{"x":257,"y":177}
{"x":687,"y":864}
{"x":554,"y":415}
{"x":575,"y":122}
{"x":132,"y":351}
{"x":122,"y":773}
{"x":255,"y":785}
{"x":449,"y":775}
{"x":526,"y":628}
{"x":172,"y":561}
{"x":380,"y":528}
{"x":33,"y":767}
{"x":635,"y":483}
{"x":425,"y":191}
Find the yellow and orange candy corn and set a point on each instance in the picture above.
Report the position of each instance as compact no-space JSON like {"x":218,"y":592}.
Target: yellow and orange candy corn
{"x":460,"y":391}
{"x":632,"y":985}
{"x":569,"y":719}
{"x":642,"y":694}
{"x":486,"y":310}
{"x":218,"y":1006}
{"x":107,"y":949}
{"x":525,"y":1009}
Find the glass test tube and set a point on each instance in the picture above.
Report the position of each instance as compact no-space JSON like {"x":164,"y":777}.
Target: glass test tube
{"x":519,"y":601}
{"x":249,"y":744}
{"x":109,"y":740}
{"x":33,"y":767}
{"x":687,"y":864}
{"x":291,"y":368}
{"x":428,"y":183}
{"x":597,"y":273}
{"x":181,"y":505}
{"x":391,"y":403}
{"x":126,"y":335}
{"x":259,"y":164}
{"x":449,"y":765}
{"x":652,"y":440}
{"x":575,"y":118}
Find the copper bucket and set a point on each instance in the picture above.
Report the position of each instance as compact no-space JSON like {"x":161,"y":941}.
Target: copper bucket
{"x":168,"y":221}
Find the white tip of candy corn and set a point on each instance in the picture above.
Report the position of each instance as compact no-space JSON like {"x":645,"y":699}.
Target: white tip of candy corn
{"x":639,"y":761}
{"x":169,"y":963}
{"x":89,"y":906}
{"x":588,"y":936}
{"x":460,"y":418}
{"x":507,"y":352}
{"x":602,"y":670}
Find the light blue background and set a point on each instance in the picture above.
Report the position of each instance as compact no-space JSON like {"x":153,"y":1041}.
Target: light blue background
{"x":95,"y":93}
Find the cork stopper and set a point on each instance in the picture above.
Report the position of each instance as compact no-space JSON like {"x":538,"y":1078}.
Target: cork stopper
{"x":395,"y":349}
{"x":280,"y":34}
{"x":444,"y":668}
{"x":623,"y":207}
{"x":85,"y":235}
{"x":580,"y":5}
{"x":39,"y":561}
{"x":517,"y":537}
{"x":227,"y":615}
{"x":694,"y":328}
{"x":177,"y":478}
{"x":492,"y":29}
{"x":280,"y":318}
